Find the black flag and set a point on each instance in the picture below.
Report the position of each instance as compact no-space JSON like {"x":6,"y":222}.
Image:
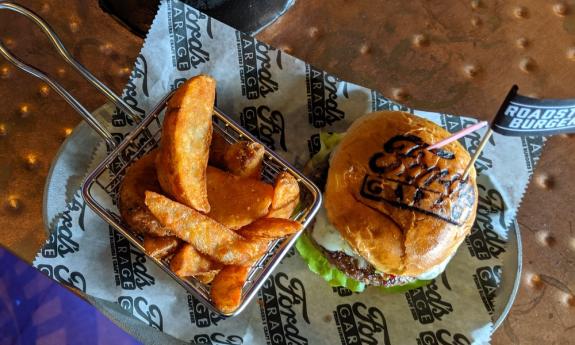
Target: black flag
{"x":525,"y":116}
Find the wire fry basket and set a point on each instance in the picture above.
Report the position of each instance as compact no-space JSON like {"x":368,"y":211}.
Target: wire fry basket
{"x":100,"y":190}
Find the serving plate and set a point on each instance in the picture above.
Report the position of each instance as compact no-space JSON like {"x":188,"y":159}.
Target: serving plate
{"x":74,"y":158}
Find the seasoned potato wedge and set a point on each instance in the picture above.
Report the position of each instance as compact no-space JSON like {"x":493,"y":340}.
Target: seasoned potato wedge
{"x":286,"y":196}
{"x":269,"y":228}
{"x":160,"y":247}
{"x":140,"y":177}
{"x":186,"y":135}
{"x":245,"y":159}
{"x":226,"y":290}
{"x":205,"y":234}
{"x":218,"y":149}
{"x":188,"y":262}
{"x":237,"y":201}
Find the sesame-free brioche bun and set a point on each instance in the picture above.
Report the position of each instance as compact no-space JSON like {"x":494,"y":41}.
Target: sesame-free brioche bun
{"x":403,"y":208}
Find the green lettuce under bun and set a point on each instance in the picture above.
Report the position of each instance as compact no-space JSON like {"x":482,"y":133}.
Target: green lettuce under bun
{"x":319,"y":265}
{"x":317,"y":168}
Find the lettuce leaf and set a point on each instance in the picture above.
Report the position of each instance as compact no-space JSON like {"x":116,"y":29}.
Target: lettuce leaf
{"x":318,"y":264}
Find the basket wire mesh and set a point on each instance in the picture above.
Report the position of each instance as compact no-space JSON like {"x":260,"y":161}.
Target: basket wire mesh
{"x":101,"y":187}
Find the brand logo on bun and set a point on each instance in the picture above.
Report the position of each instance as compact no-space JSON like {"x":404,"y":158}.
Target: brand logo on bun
{"x":357,"y":324}
{"x":399,"y":175}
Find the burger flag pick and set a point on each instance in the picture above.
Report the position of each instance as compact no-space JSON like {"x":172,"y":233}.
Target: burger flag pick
{"x":522,"y":116}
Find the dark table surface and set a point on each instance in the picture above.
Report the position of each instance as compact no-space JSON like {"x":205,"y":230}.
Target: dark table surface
{"x":451,"y":56}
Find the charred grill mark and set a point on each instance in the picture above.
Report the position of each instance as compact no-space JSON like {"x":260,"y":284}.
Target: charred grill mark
{"x":403,"y":162}
{"x":443,"y":154}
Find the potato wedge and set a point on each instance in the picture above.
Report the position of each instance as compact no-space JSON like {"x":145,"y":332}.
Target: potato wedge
{"x":286,"y":196}
{"x":140,"y":176}
{"x":189,"y":262}
{"x":245,"y":159}
{"x":285,"y":211}
{"x":206,"y":277}
{"x":237,"y":201}
{"x":186,"y":135}
{"x":269,"y":228}
{"x":218,"y":149}
{"x":226,"y":290}
{"x":160,"y":247}
{"x":205,"y":234}
{"x":286,"y":189}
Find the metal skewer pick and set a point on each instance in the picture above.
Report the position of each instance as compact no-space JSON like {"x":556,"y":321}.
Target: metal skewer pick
{"x":489,"y":133}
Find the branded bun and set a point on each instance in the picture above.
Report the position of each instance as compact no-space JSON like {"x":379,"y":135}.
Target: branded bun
{"x":403,"y":208}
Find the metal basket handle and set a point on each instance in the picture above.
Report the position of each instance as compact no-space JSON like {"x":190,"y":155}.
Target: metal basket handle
{"x":55,"y":40}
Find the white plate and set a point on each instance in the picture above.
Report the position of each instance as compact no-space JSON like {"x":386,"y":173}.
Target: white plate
{"x":70,"y":166}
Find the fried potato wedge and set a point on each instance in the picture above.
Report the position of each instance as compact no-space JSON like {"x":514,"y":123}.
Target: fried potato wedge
{"x":285,"y":211}
{"x":245,"y":159}
{"x":205,"y":234}
{"x":160,"y":247}
{"x":269,"y":228}
{"x":188,"y":262}
{"x":237,"y":201}
{"x":286,"y":196}
{"x":186,"y":135}
{"x":206,"y":277}
{"x":226,"y":290}
{"x":140,"y":176}
{"x":218,"y":149}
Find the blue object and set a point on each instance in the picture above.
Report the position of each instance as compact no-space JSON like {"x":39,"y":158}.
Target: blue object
{"x":37,"y":310}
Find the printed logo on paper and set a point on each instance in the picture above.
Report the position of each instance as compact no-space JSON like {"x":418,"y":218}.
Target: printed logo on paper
{"x":217,"y":339}
{"x":532,"y":149}
{"x":283,"y":308}
{"x":487,"y":279}
{"x":380,"y":102}
{"x":266,"y":124}
{"x":471,"y":141}
{"x":442,"y":337}
{"x":143,"y":310}
{"x":398,"y":176}
{"x":358,"y":324}
{"x":61,"y":241}
{"x":427,"y":304}
{"x":314,"y":144}
{"x":188,"y":28}
{"x":130,"y":269}
{"x":322,"y":97}
{"x":483,"y":242}
{"x":257,"y":60}
{"x":64,"y":275}
{"x":131,"y":93}
{"x":342,"y":291}
{"x":200,"y":315}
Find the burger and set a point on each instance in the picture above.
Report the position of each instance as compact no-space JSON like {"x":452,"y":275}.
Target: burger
{"x":394,"y":211}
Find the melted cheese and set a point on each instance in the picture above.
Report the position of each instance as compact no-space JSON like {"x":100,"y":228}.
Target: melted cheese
{"x":327,"y":236}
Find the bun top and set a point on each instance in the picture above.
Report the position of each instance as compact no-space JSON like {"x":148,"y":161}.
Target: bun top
{"x":401,"y":207}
